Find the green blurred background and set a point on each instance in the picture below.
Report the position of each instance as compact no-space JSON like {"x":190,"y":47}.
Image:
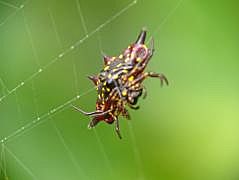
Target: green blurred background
{"x":187,"y":131}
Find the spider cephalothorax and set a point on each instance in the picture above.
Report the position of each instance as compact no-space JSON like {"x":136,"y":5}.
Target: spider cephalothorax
{"x":119,"y":84}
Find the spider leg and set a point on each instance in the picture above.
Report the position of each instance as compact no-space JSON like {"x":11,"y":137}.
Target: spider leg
{"x":117,"y":128}
{"x":83,"y":112}
{"x":101,"y":113}
{"x":118,"y":89}
{"x":151,"y":74}
{"x":133,"y":107}
{"x":93,"y":122}
{"x":162,"y":77}
{"x":125,"y":113}
{"x":94,"y":113}
{"x":115,"y":91}
{"x":112,"y":94}
{"x":141,"y":88}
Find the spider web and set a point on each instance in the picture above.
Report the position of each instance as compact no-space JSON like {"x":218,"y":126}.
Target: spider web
{"x":21,"y":127}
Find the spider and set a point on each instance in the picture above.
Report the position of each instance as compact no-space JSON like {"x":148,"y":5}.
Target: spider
{"x":119,"y":83}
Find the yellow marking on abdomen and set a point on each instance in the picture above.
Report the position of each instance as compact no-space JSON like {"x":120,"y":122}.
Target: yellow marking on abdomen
{"x":131,"y":78}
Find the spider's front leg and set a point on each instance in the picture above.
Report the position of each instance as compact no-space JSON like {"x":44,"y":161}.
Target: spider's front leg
{"x":161,"y":76}
{"x":151,"y":74}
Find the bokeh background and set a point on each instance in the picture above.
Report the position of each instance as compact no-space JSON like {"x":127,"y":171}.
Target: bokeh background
{"x":186,"y":131}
